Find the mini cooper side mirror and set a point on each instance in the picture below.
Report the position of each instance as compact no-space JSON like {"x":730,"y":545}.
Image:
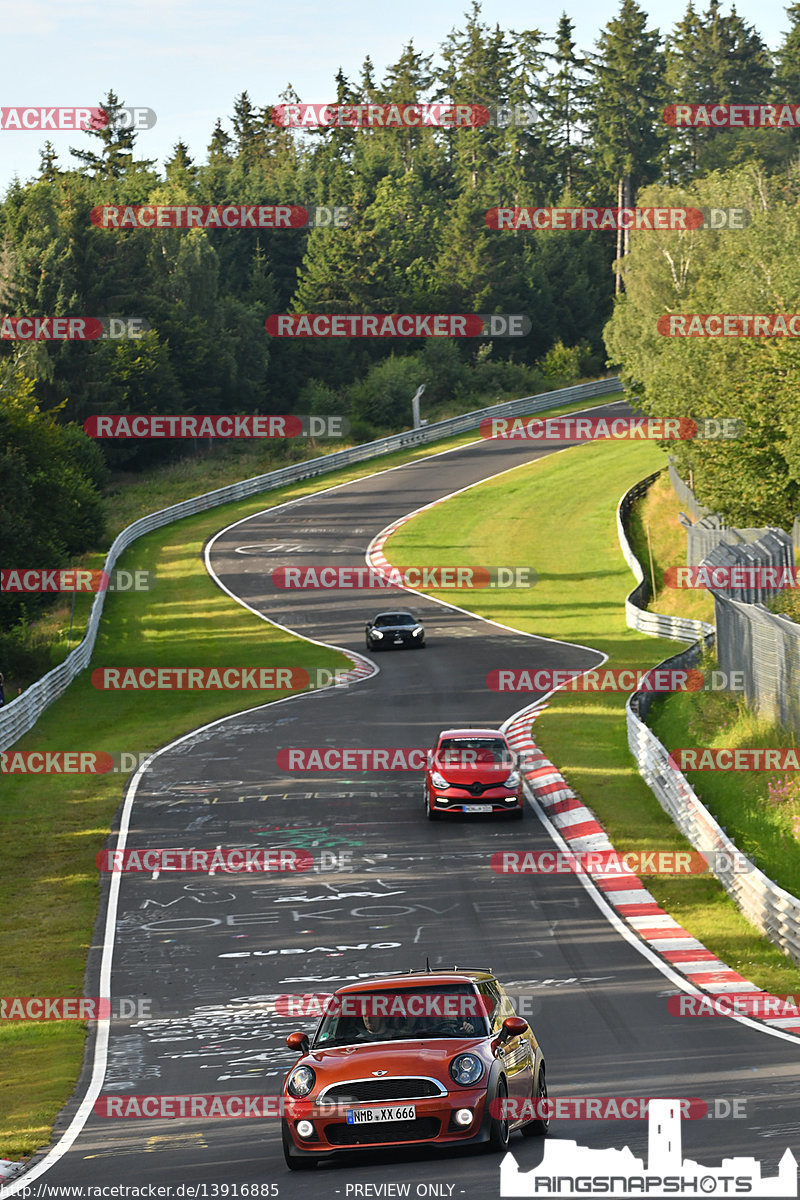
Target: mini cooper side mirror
{"x":512,"y":1027}
{"x":298,"y":1042}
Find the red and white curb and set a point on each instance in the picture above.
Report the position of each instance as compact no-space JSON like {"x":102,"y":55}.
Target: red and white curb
{"x":624,"y":890}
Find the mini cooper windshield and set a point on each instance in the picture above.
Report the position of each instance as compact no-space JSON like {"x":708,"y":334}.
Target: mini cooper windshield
{"x":446,"y":1011}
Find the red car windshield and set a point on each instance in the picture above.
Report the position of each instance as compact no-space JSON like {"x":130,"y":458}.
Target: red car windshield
{"x":469,"y":752}
{"x":442,"y":1011}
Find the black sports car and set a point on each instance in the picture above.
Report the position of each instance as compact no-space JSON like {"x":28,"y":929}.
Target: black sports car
{"x":388,"y":630}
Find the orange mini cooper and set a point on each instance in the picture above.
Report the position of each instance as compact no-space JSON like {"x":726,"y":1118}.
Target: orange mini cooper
{"x":414,"y":1059}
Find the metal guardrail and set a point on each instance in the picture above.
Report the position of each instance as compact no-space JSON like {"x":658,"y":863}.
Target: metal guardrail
{"x":680,"y":629}
{"x":21,"y":713}
{"x":773,"y":910}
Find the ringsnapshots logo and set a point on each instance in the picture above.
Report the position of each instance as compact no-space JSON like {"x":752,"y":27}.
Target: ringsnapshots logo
{"x":600,"y":219}
{"x":74,"y":579}
{"x":397,"y":325}
{"x":434,"y":578}
{"x":729,"y":325}
{"x":248,"y":425}
{"x":71,"y":329}
{"x":732,"y":116}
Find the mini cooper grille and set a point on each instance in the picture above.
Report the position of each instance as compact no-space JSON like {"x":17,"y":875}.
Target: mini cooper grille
{"x":392,"y":1131}
{"x":381,"y":1089}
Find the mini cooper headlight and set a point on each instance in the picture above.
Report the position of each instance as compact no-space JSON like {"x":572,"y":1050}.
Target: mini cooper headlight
{"x":439,"y":781}
{"x":466,"y":1069}
{"x":301,"y":1081}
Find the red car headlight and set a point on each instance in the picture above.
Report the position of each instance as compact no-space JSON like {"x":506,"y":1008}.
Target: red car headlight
{"x":301,"y":1082}
{"x":466,"y":1069}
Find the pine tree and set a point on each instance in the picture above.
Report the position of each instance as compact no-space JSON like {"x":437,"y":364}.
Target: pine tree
{"x":625,"y":117}
{"x":563,"y":104}
{"x":117,"y":142}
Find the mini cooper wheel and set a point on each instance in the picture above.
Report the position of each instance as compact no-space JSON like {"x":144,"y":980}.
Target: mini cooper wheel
{"x":307,"y":1163}
{"x":538,"y":1127}
{"x":498,"y":1132}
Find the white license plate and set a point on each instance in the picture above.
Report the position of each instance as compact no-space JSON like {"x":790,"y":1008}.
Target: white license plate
{"x":397,"y":1112}
{"x":477,"y":808}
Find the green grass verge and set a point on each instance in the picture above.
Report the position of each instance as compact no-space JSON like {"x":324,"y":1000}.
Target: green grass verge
{"x":558,"y":515}
{"x":739,"y":800}
{"x":51,"y":827}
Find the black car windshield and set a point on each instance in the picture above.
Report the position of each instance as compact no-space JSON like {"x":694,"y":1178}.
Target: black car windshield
{"x":467,"y":752}
{"x":393,"y":619}
{"x":443,"y":1011}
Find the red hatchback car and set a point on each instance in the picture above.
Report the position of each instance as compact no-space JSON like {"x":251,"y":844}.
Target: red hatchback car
{"x":473,"y":771}
{"x":415,"y":1059}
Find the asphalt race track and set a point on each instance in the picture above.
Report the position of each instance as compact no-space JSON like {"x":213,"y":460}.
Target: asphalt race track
{"x":212,"y":952}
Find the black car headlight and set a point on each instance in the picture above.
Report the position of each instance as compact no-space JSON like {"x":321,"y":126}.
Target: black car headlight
{"x":376,"y":633}
{"x":301,"y":1082}
{"x":417,"y":632}
{"x":466,"y":1069}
